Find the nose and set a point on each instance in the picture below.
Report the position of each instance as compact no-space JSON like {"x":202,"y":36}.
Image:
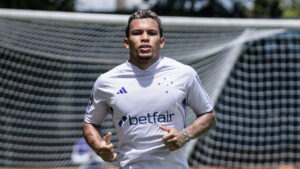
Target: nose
{"x":145,"y":37}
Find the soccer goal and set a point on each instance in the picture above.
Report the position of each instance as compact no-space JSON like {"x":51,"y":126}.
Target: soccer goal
{"x":249,"y":67}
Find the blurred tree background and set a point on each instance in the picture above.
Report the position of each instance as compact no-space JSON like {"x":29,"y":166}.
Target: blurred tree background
{"x":267,"y":9}
{"x":52,"y":5}
{"x":200,"y":8}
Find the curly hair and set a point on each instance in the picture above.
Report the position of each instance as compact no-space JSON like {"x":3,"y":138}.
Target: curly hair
{"x":144,"y":14}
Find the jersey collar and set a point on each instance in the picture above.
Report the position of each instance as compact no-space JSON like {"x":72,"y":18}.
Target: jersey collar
{"x":149,"y":69}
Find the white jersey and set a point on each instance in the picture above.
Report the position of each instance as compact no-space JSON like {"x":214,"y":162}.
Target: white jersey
{"x":141,"y":101}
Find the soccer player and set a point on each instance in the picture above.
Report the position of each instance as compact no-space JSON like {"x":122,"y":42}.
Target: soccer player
{"x":147,"y":96}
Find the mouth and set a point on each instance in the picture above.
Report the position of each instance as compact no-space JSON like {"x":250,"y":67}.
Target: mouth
{"x":145,"y":48}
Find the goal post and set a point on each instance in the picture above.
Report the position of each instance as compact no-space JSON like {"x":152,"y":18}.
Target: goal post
{"x":167,"y":20}
{"x":50,"y":60}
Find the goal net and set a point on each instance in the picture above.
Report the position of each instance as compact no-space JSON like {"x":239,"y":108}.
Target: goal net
{"x":50,"y":61}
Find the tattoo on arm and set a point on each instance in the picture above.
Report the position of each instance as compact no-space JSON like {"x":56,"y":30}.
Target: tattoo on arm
{"x":202,"y":125}
{"x":91,"y":135}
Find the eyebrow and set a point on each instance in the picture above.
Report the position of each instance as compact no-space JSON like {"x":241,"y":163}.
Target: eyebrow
{"x":138,"y":29}
{"x":142,"y":30}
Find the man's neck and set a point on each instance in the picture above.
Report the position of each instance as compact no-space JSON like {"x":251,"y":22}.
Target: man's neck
{"x":143,"y":64}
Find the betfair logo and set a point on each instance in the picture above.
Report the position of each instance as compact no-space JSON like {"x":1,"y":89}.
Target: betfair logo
{"x":148,"y":119}
{"x":123,"y":120}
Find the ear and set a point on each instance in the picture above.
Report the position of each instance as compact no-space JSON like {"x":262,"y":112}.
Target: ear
{"x":162,"y":42}
{"x":126,"y":43}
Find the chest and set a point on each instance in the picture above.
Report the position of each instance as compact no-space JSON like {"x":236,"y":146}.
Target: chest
{"x":144,"y":94}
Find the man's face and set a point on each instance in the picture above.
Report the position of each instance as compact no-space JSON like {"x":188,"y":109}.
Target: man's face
{"x":144,"y":41}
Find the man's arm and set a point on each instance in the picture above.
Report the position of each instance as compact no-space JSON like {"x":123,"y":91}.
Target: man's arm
{"x":201,"y":125}
{"x":102,"y":146}
{"x":175,"y":139}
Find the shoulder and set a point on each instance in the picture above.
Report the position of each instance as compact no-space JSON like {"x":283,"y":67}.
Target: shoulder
{"x":116,"y":71}
{"x":107,"y":77}
{"x":178,"y":66}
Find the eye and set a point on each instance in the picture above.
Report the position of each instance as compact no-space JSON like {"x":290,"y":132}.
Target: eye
{"x":136,"y":32}
{"x":152,"y":32}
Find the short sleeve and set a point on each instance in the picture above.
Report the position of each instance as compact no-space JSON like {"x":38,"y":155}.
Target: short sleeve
{"x":197,"y":97}
{"x":98,"y":106}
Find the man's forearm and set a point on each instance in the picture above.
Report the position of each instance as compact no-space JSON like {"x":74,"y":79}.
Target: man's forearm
{"x":201,"y":125}
{"x":91,"y":135}
{"x":102,"y":146}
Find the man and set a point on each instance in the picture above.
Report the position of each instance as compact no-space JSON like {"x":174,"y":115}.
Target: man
{"x":147,"y":96}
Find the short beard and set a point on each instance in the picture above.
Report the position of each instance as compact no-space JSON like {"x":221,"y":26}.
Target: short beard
{"x":144,"y":58}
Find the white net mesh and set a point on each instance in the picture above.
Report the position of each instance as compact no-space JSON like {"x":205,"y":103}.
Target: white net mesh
{"x":48,"y":67}
{"x":258,"y":109}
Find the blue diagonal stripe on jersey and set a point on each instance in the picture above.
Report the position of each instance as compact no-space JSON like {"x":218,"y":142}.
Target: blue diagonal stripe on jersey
{"x":124,"y":90}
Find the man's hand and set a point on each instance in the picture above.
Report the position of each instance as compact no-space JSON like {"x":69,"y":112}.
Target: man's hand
{"x":174,"y":139}
{"x":106,"y":149}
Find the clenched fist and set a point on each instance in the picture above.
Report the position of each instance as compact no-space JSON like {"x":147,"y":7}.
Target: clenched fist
{"x":174,"y":139}
{"x":106,"y":149}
